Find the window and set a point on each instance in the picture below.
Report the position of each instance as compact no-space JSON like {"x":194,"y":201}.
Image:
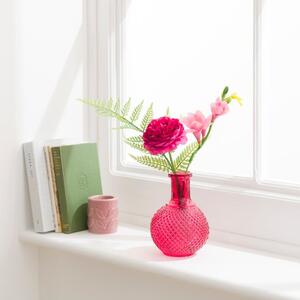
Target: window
{"x":280,"y":63}
{"x":184,"y":52}
{"x":177,"y":61}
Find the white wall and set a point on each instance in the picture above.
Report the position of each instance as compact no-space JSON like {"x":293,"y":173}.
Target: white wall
{"x":40,"y":73}
{"x":18,"y":263}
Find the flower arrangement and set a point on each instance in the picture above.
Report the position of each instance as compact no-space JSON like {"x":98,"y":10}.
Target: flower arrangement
{"x":178,"y":228}
{"x":159,"y":138}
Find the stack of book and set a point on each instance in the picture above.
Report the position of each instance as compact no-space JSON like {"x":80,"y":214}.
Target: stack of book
{"x":60,"y":178}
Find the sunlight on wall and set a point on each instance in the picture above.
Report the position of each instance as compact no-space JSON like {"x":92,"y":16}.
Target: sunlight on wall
{"x":51,"y":67}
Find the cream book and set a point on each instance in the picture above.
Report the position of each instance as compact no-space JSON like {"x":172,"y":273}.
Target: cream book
{"x":52,"y":188}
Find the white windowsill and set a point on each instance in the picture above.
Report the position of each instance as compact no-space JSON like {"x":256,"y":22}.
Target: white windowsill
{"x":251,"y":275}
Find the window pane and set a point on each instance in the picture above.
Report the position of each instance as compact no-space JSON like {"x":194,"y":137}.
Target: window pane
{"x":280,"y":91}
{"x":181,"y":54}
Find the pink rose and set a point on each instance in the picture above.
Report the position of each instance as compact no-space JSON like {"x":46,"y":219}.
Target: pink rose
{"x":163,"y":135}
{"x":219,"y":108}
{"x":197,"y":124}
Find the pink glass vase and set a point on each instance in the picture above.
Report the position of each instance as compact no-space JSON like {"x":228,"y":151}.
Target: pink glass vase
{"x":179,"y":228}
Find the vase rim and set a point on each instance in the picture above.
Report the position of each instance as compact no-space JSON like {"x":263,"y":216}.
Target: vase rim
{"x":180,"y":174}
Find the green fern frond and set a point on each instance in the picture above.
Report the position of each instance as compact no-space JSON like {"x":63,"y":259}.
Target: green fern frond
{"x":182,"y":159}
{"x":124,"y":127}
{"x":93,"y":103}
{"x":147,"y":117}
{"x":117,"y":106}
{"x":153,"y":162}
{"x":126,"y":108}
{"x":137,"y":146}
{"x":110,"y":109}
{"x":136,"y":142}
{"x":136,"y":112}
{"x":135,"y":139}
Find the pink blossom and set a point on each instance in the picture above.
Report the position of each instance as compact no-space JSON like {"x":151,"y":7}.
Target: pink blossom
{"x":163,"y":135}
{"x":197,"y":124}
{"x":219,"y":108}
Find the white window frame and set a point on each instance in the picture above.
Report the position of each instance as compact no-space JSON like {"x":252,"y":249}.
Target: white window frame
{"x":246,"y":212}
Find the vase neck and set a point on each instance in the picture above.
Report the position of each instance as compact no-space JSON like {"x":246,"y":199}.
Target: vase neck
{"x":180,"y":189}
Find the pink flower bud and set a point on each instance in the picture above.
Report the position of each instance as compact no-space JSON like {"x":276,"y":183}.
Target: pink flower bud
{"x":219,"y":108}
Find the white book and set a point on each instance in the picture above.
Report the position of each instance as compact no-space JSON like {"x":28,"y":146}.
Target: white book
{"x":37,"y":178}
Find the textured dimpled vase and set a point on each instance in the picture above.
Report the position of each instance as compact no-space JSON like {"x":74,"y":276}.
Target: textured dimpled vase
{"x":179,"y":228}
{"x":102,"y":214}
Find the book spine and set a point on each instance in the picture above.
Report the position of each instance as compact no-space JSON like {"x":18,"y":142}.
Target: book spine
{"x":50,"y":186}
{"x":54,"y":191}
{"x":59,"y":179}
{"x":51,"y":189}
{"x":41,"y":209}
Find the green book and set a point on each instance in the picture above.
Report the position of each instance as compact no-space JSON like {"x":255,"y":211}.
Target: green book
{"x":77,"y":177}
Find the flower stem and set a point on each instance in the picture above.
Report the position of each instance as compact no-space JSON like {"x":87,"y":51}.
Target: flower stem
{"x":199,"y":147}
{"x":169,"y":163}
{"x":179,"y":191}
{"x":172,"y":163}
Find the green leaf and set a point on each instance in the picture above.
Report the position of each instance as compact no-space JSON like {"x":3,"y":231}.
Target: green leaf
{"x":182,"y":159}
{"x":153,"y":162}
{"x":135,"y":139}
{"x":128,"y":126}
{"x":147,"y":117}
{"x":136,"y":112}
{"x":126,"y":108}
{"x":117,"y":106}
{"x":110,"y":109}
{"x":136,"y":142}
{"x":137,"y":146}
{"x":94,"y":103}
{"x":225,"y":91}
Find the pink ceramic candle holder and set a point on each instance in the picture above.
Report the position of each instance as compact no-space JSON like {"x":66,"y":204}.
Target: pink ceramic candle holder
{"x":102,"y":214}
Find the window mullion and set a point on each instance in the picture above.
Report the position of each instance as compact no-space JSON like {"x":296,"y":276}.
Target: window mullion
{"x":257,"y":5}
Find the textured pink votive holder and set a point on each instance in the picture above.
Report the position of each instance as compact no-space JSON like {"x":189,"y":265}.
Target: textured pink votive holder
{"x":102,"y":214}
